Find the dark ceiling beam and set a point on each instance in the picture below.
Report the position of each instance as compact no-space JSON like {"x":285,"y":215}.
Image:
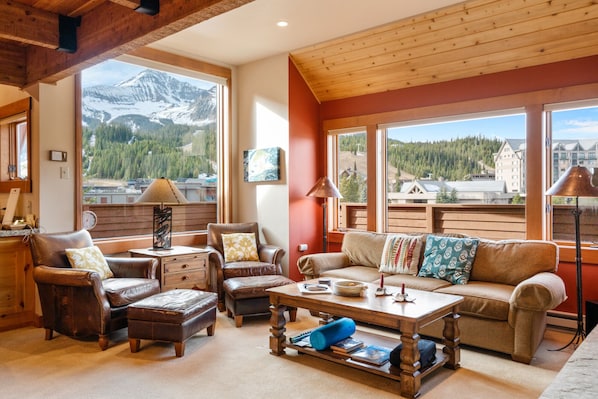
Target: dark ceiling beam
{"x":111,"y":30}
{"x":24,"y":24}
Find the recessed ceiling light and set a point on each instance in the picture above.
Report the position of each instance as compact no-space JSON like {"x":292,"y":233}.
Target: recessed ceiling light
{"x":282,"y":23}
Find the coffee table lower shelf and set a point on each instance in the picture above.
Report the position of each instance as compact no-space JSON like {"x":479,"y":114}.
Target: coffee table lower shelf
{"x":386,"y":370}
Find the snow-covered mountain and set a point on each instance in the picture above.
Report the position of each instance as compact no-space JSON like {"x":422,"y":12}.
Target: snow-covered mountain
{"x":149,"y":100}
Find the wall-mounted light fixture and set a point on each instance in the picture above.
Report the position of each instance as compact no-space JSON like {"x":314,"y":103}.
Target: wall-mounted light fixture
{"x":148,"y":7}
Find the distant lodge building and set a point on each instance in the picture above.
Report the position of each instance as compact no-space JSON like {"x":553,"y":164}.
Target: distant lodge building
{"x":201,"y":189}
{"x":500,"y":185}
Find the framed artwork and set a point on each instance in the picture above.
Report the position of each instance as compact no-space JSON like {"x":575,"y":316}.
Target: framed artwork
{"x":261,"y":164}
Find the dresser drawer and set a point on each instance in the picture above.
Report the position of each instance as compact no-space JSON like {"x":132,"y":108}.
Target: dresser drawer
{"x":174,"y":264}
{"x":190,"y":279}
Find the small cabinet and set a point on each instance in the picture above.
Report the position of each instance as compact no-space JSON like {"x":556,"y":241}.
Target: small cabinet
{"x":17,"y":289}
{"x":179,"y":267}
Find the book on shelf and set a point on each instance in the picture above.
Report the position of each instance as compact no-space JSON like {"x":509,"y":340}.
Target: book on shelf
{"x":301,"y":339}
{"x":372,"y":354}
{"x":346,"y":345}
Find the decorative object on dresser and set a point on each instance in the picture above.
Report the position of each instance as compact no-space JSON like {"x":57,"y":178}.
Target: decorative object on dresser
{"x":179,"y":267}
{"x":162,"y":191}
{"x":78,"y":302}
{"x":576,"y":182}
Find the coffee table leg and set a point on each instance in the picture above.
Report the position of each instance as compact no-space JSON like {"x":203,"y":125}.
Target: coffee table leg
{"x":410,"y":364}
{"x":452,"y":340}
{"x":277,"y":329}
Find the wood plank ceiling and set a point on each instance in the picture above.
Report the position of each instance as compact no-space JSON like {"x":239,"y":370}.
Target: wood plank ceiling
{"x":468,"y":39}
{"x":29,"y":33}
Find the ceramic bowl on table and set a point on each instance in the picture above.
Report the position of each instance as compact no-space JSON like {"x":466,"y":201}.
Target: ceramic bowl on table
{"x":348,"y":288}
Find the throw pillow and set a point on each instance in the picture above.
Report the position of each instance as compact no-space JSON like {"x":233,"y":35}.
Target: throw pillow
{"x":449,"y":258}
{"x":239,"y":247}
{"x":401,"y":254}
{"x":89,"y":258}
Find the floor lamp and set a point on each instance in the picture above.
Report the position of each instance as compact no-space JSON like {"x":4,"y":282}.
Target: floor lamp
{"x":576,"y":182}
{"x":324,"y":188}
{"x":162,"y":191}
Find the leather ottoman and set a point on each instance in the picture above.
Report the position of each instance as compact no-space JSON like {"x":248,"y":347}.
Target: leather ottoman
{"x":247,"y":296}
{"x":172,"y":316}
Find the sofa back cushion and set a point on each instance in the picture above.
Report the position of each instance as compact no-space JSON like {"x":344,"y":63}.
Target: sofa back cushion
{"x":364,"y":248}
{"x":512,"y":261}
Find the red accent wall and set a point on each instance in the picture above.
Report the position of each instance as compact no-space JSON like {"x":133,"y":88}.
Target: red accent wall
{"x":310,"y":158}
{"x":306,"y":164}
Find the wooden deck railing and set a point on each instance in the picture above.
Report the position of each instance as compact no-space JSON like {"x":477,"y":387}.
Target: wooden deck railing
{"x":120,"y":220}
{"x":495,"y":222}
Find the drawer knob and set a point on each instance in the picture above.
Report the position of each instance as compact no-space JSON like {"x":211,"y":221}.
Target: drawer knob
{"x":184,"y":278}
{"x":184,"y":266}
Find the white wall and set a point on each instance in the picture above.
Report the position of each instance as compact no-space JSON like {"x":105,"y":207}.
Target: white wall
{"x":262,"y":122}
{"x":56,"y":132}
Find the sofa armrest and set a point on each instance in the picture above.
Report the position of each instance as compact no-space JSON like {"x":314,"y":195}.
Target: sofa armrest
{"x":133,"y":267}
{"x":311,"y":266}
{"x":541,"y":292}
{"x":59,"y":276}
{"x":271,"y":254}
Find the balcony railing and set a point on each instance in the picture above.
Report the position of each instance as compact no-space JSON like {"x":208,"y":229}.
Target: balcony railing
{"x":496,"y":222}
{"x":120,"y":220}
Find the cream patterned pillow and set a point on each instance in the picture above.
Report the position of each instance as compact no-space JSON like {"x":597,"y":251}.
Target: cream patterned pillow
{"x":401,"y":254}
{"x":89,"y":258}
{"x":239,"y":247}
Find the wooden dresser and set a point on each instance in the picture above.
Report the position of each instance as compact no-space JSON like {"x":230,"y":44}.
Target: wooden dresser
{"x":17,"y":289}
{"x":179,"y":267}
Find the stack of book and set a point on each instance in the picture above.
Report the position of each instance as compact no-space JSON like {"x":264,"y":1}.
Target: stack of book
{"x":372,"y":354}
{"x":346,"y":346}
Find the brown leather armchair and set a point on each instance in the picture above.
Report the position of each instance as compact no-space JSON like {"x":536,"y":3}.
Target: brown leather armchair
{"x":269,"y":264}
{"x":76,"y":302}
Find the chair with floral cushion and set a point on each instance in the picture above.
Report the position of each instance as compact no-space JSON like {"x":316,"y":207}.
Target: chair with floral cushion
{"x":243,"y":268}
{"x":82,"y":293}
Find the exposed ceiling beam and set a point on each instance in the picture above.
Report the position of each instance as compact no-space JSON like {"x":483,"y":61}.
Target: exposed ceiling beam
{"x":107,"y":31}
{"x":24,"y":24}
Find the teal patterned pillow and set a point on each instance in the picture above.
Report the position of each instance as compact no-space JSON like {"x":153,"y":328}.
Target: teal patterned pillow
{"x":449,"y":258}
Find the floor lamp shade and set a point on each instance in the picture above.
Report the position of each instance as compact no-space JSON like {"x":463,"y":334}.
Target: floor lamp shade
{"x":162,"y":191}
{"x":576,"y":182}
{"x":324,"y":188}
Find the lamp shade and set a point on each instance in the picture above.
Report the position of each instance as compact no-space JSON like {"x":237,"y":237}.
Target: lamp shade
{"x":162,"y":191}
{"x":575,"y":182}
{"x":324,"y":188}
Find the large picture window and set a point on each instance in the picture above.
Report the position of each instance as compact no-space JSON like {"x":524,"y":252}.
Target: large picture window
{"x":142,"y":123}
{"x":573,"y":132}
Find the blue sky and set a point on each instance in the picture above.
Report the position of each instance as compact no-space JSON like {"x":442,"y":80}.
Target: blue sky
{"x":112,"y":72}
{"x":570,"y":124}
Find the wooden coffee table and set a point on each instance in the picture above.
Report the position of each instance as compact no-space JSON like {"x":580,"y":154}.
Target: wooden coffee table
{"x":404,"y":317}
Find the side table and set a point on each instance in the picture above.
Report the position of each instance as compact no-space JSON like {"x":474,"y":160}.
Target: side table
{"x":179,"y":267}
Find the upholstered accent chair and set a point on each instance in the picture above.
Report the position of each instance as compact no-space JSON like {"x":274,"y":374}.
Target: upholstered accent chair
{"x":268,"y":261}
{"x":79,"y":302}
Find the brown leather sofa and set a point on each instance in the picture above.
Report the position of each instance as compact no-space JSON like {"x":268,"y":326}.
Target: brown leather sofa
{"x":76,"y":302}
{"x":269,"y":263}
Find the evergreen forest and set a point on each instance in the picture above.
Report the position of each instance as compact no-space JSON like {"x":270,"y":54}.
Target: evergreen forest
{"x":172,"y":151}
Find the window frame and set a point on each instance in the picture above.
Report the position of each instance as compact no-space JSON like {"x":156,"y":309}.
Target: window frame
{"x":173,"y":63}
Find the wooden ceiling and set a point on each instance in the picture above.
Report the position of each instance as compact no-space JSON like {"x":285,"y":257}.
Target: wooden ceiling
{"x":29,"y":33}
{"x":472,"y":38}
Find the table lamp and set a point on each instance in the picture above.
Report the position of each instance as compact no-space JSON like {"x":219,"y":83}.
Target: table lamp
{"x":324,"y":188}
{"x":576,"y":182}
{"x":162,"y":191}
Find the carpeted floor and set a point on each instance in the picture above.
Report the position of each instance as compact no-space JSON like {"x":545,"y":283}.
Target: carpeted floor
{"x":235,"y":363}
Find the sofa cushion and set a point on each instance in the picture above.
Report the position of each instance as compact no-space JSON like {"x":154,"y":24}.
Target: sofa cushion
{"x":358,"y":273}
{"x":239,"y":247}
{"x":449,"y":258}
{"x":488,"y":300}
{"x":364,"y":248}
{"x":89,"y":258}
{"x":512,"y":261}
{"x":414,"y":282}
{"x":401,"y":254}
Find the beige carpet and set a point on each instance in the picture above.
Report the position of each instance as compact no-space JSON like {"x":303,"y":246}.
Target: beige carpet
{"x":235,"y":363}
